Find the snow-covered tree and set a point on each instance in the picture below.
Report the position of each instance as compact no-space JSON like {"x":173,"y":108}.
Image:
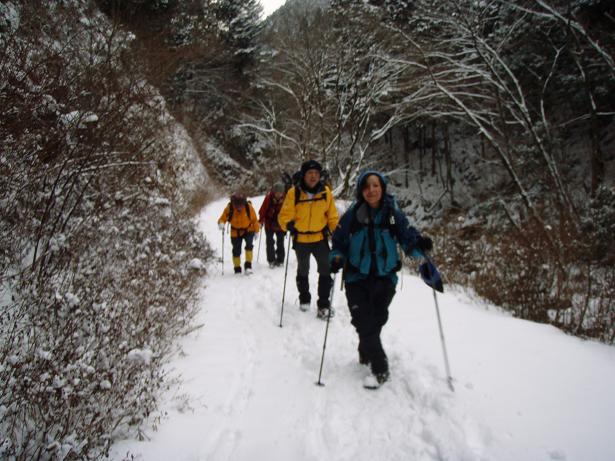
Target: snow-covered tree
{"x":291,"y":114}
{"x":240,"y":28}
{"x":322,"y":85}
{"x":507,"y":77}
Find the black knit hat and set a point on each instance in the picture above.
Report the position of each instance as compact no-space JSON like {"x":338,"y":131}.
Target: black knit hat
{"x":310,"y":165}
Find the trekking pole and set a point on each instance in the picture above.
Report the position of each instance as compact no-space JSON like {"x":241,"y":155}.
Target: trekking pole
{"x":447,"y":367}
{"x":430,"y":275}
{"x":258,"y":254}
{"x":324,"y":344}
{"x":401,"y":270}
{"x":285,"y":274}
{"x":449,"y":378}
{"x":222,"y":258}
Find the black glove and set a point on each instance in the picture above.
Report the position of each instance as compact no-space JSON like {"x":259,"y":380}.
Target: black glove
{"x":290,"y":227}
{"x":336,"y":264}
{"x":424,"y":244}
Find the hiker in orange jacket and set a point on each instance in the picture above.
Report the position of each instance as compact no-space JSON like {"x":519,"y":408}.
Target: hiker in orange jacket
{"x":244,"y":226}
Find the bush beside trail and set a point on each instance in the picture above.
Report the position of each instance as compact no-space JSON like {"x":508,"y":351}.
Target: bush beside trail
{"x":95,"y":242}
{"x":565,"y":277}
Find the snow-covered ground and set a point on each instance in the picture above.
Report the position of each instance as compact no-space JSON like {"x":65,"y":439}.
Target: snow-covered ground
{"x":523,"y":391}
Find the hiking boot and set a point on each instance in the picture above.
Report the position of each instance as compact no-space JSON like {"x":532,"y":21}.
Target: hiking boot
{"x":324,"y":312}
{"x":304,"y":307}
{"x":247,"y":265}
{"x":238,"y":269}
{"x":376,"y":380}
{"x":272,"y":264}
{"x":370,"y":382}
{"x":383,"y":377}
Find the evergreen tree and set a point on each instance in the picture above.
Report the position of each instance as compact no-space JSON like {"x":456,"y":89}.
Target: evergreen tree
{"x":240,"y":28}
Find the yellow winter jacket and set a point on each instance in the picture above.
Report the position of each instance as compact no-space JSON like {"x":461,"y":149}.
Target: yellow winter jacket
{"x":312,"y":215}
{"x":241,"y":221}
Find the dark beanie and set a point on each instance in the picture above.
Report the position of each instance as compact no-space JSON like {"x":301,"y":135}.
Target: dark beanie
{"x":310,"y":165}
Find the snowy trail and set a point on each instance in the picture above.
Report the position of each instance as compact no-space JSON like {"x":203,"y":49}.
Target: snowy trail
{"x":248,"y":387}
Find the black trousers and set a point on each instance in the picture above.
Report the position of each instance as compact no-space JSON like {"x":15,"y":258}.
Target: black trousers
{"x":275,"y":245}
{"x":236,"y":243}
{"x":320,"y":251}
{"x":368,"y":301}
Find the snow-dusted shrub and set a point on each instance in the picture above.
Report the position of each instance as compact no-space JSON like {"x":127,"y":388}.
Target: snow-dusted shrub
{"x":564,"y":277}
{"x":96,"y":254}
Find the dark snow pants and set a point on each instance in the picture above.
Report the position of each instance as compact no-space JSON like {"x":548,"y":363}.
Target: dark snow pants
{"x":320,"y":251}
{"x":236,"y":243}
{"x":368,"y":301}
{"x":275,"y":246}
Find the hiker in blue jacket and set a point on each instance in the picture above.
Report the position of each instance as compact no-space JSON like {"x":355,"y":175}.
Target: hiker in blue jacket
{"x":365,"y":245}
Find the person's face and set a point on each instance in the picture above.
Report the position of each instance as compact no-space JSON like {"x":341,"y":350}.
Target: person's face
{"x":311,"y":177}
{"x":239,"y":204}
{"x":372,"y":191}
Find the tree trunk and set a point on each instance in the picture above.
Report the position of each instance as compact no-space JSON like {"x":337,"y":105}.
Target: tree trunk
{"x":433,"y":148}
{"x":450,"y":182}
{"x":406,"y":135}
{"x":597,"y":162}
{"x":421,"y":148}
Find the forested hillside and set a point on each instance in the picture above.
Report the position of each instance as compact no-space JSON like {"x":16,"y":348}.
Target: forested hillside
{"x":494,"y":122}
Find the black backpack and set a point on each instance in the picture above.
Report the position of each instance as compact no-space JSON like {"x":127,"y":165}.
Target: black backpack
{"x":287,"y":180}
{"x":232,"y":208}
{"x":291,"y":180}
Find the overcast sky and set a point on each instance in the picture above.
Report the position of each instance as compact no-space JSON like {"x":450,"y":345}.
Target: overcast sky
{"x":269,"y":6}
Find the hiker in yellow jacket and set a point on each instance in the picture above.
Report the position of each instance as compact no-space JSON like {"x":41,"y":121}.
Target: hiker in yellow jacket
{"x":310,"y":215}
{"x":244,"y":226}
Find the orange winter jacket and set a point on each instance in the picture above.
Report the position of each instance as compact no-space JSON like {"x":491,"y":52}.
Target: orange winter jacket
{"x":242,"y":221}
{"x":315,"y":215}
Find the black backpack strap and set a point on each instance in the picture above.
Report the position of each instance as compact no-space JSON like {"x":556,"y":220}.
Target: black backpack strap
{"x":298,"y":195}
{"x":389,"y":222}
{"x":230,"y":211}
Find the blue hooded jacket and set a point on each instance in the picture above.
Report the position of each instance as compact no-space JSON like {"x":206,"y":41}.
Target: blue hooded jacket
{"x":366,"y":239}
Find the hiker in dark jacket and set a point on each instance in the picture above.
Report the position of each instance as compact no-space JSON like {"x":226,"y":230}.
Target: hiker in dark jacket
{"x":268,"y":217}
{"x":365,"y":245}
